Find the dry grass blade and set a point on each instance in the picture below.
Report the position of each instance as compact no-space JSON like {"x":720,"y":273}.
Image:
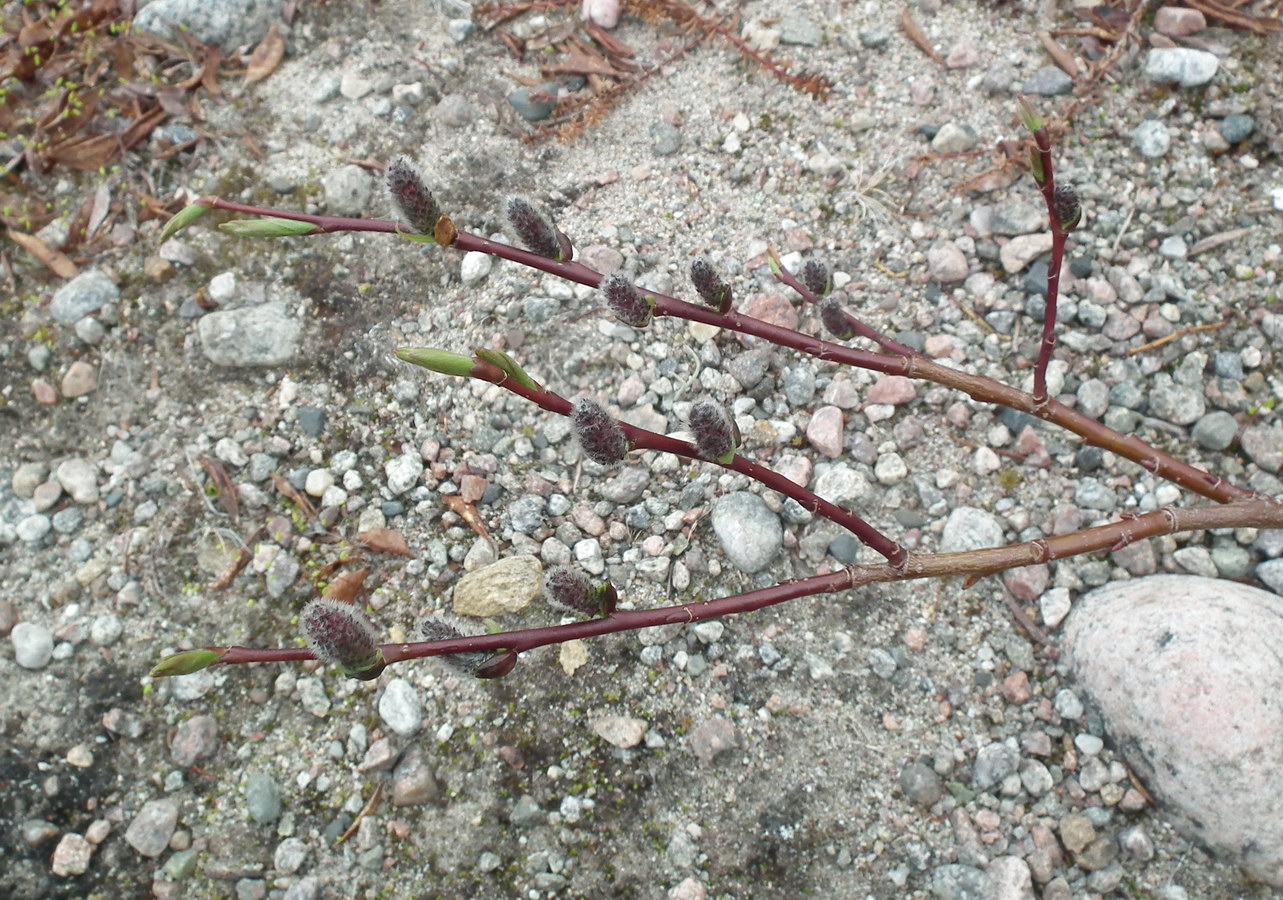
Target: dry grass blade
{"x":266,"y":56}
{"x":227,"y":498}
{"x":915,"y":33}
{"x":1235,"y":19}
{"x":291,"y":493}
{"x":383,"y":540}
{"x":1058,"y":54}
{"x":55,"y":261}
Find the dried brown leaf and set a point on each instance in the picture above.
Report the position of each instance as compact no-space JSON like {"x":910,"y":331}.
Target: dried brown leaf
{"x":1058,"y":54}
{"x":227,"y":497}
{"x":56,"y":262}
{"x":292,"y":494}
{"x":347,"y":587}
{"x":915,"y":33}
{"x":383,"y":540}
{"x":466,"y":511}
{"x":266,"y":56}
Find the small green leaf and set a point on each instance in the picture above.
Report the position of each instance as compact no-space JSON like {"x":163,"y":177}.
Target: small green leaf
{"x":269,"y":227}
{"x":181,"y":219}
{"x":442,"y":361}
{"x":417,"y":238}
{"x":508,"y":366}
{"x":366,"y":671}
{"x":1029,"y":116}
{"x":186,"y":663}
{"x":1035,"y":167}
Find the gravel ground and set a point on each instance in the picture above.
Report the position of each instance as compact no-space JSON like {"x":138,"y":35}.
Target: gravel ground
{"x":910,"y":741}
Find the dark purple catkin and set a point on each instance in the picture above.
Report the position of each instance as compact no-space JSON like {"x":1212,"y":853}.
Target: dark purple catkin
{"x":533,"y":230}
{"x":708,"y":284}
{"x":434,"y":629}
{"x":1068,"y":210}
{"x":600,"y":436}
{"x":571,"y":590}
{"x":817,"y":277}
{"x":835,"y":320}
{"x":411,"y":196}
{"x":629,"y":305}
{"x":715,"y":433}
{"x":340,"y":634}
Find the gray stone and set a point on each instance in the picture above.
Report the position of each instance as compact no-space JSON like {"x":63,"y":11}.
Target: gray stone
{"x":499,"y":589}
{"x":957,"y":882}
{"x":946,"y":263}
{"x":290,"y":855}
{"x":78,"y":478}
{"x":228,"y":23}
{"x":86,"y":293}
{"x":1271,"y":573}
{"x":1049,"y":81}
{"x":1018,"y":217}
{"x":194,"y":740}
{"x":1215,"y":431}
{"x":968,"y":528}
{"x":921,"y":784}
{"x":795,"y":28}
{"x":1175,"y":403}
{"x":400,"y":707}
{"x":1008,"y":878}
{"x":1182,"y":65}
{"x":994,"y":762}
{"x":750,"y":534}
{"x":32,"y":645}
{"x":627,"y":486}
{"x":1152,"y":139}
{"x":536,"y":103}
{"x":954,"y":138}
{"x":1264,"y":446}
{"x":265,"y":335}
{"x":403,"y":472}
{"x":875,"y":37}
{"x":412,"y":781}
{"x":1237,"y":127}
{"x":32,"y":529}
{"x":1183,"y":671}
{"x":262,"y":798}
{"x":665,"y":139}
{"x":348,"y":190}
{"x":151,"y":829}
{"x":620,"y":731}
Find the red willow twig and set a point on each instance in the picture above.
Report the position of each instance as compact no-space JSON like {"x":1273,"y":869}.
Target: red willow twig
{"x":1239,"y":507}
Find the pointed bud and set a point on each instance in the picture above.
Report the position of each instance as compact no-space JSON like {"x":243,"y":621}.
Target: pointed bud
{"x":630,"y":306}
{"x":441,"y":361}
{"x":411,"y":197}
{"x":181,"y":219}
{"x":600,"y":436}
{"x":435,"y":628}
{"x":506,"y":364}
{"x":1029,"y":116}
{"x":715,"y":292}
{"x":269,"y":226}
{"x":186,"y":663}
{"x":571,"y":590}
{"x":498,"y":665}
{"x":1069,"y":211}
{"x":1035,"y":167}
{"x":533,"y":230}
{"x":835,"y":320}
{"x":818,"y":277}
{"x":716,"y":434}
{"x":341,"y":634}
